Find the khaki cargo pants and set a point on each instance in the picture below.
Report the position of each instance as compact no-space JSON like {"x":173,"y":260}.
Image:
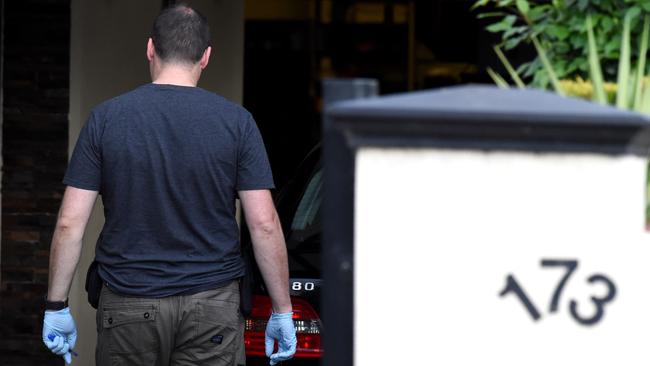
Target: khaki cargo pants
{"x":201,"y":329}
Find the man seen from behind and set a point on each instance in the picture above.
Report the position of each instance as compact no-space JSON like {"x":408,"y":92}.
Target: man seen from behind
{"x":169,"y":160}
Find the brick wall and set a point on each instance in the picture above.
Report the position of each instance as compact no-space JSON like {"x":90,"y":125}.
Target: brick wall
{"x":34,"y":148}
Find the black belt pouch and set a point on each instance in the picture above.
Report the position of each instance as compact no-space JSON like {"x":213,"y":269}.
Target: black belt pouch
{"x":93,"y":285}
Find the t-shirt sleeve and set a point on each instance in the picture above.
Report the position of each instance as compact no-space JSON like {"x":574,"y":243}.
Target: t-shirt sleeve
{"x":253,"y":168}
{"x":85,"y":167}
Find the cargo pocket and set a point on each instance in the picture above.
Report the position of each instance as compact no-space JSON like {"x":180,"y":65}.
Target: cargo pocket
{"x":217,"y":331}
{"x":130,"y":333}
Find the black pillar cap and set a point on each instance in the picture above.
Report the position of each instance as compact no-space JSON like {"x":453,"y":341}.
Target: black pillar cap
{"x":486,"y":117}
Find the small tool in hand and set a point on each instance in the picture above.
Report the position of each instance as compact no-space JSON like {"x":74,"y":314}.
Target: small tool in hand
{"x":51,"y":338}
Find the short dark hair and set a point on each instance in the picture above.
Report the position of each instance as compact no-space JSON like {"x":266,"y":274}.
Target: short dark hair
{"x":180,"y":34}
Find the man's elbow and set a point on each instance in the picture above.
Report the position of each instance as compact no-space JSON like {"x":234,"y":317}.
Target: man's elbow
{"x":268,"y":225}
{"x":69,"y":225}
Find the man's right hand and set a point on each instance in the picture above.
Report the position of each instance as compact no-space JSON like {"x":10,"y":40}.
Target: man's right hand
{"x":281,"y":328}
{"x":60,"y":333}
{"x":271,"y":256}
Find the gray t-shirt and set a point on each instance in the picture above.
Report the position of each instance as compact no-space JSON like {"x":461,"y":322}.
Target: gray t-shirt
{"x":168,"y":161}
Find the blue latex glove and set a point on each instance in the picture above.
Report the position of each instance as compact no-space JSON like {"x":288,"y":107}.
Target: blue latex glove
{"x":281,"y":328}
{"x":60,"y":333}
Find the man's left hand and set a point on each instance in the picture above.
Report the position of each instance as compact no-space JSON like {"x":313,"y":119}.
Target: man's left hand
{"x":60,"y":333}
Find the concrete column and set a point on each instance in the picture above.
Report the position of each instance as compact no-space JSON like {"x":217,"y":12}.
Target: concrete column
{"x":108,"y":43}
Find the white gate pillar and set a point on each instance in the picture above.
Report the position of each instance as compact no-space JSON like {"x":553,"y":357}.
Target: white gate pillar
{"x":474,"y":225}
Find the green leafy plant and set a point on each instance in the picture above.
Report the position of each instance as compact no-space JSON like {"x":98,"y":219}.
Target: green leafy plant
{"x":631,"y":90}
{"x":559,"y":27}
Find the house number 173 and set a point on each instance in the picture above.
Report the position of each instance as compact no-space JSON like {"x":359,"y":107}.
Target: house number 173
{"x":599,"y":302}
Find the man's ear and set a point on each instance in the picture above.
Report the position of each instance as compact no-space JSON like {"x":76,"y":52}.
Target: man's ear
{"x":151,"y":50}
{"x":203,"y":62}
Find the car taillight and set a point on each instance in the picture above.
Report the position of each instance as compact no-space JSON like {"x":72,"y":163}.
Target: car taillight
{"x":305,"y":318}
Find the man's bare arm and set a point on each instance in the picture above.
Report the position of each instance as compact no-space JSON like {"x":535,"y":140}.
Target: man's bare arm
{"x":66,"y":243}
{"x":268,"y":245}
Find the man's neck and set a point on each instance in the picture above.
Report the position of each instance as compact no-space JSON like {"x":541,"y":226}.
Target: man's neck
{"x":177,"y":75}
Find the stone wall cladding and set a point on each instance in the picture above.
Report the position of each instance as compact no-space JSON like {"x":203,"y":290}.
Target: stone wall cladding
{"x":34,"y":149}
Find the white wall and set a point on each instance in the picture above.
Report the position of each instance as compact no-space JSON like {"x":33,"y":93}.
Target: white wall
{"x":108,"y":40}
{"x":438,"y":231}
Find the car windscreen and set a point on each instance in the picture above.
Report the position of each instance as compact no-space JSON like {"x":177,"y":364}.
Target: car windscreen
{"x":304,"y":233}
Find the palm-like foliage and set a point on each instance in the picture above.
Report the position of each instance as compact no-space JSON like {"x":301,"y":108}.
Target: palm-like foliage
{"x":631,"y":90}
